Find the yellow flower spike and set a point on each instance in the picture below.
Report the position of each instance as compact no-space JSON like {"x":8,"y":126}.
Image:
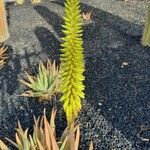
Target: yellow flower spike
{"x":72,"y":61}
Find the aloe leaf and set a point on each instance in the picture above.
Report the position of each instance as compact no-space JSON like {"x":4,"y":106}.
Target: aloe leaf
{"x":3,"y":146}
{"x":13,"y":143}
{"x":64,"y":143}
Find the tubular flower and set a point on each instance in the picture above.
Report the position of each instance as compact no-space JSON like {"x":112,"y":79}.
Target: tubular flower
{"x":72,"y":61}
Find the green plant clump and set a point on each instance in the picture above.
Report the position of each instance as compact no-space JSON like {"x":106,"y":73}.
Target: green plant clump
{"x":45,"y":84}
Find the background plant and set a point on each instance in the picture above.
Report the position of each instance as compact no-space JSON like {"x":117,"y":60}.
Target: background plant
{"x":72,"y":61}
{"x":4,"y":34}
{"x":146,"y":33}
{"x":87,"y":17}
{"x":35,"y":1}
{"x":20,"y":2}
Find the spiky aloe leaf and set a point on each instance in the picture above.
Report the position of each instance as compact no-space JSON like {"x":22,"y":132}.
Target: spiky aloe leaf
{"x":36,"y":1}
{"x":45,"y":84}
{"x":3,"y":146}
{"x":4,"y":34}
{"x":91,"y":146}
{"x":72,"y":61}
{"x":22,"y":141}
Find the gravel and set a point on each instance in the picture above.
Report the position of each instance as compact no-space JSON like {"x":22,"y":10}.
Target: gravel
{"x":117,"y":71}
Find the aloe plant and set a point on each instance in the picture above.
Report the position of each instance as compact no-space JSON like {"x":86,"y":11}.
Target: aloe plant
{"x":146,"y":33}
{"x":4,"y":34}
{"x":45,"y":84}
{"x":20,"y":2}
{"x":44,"y":136}
{"x":72,"y":61}
{"x":36,"y":1}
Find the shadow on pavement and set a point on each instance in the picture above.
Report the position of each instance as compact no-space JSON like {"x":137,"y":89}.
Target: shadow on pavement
{"x":50,"y":45}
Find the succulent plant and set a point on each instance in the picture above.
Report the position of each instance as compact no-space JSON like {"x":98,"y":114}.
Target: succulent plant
{"x":20,"y":2}
{"x":146,"y":32}
{"x":72,"y":61}
{"x":45,"y":84}
{"x":2,"y":56}
{"x":44,"y":136}
{"x":35,"y":1}
{"x":87,"y":17}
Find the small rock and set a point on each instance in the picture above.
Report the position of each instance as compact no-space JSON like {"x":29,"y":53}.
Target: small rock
{"x":124,"y":64}
{"x":100,"y":104}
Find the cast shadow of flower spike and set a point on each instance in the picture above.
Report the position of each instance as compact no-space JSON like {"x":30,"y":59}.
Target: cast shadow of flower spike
{"x":52,"y":18}
{"x":50,"y":45}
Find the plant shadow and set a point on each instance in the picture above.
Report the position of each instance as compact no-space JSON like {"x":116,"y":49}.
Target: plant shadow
{"x":51,"y":17}
{"x":50,"y":45}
